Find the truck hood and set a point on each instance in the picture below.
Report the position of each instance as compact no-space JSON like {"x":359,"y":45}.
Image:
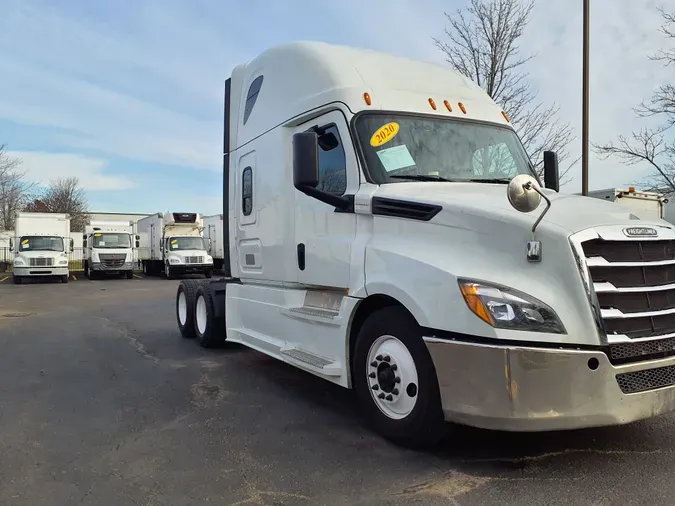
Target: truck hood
{"x":572,"y":213}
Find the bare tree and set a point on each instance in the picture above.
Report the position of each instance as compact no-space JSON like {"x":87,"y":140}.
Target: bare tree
{"x":64,"y":195}
{"x":649,"y":146}
{"x":483,"y":46}
{"x":14,"y":190}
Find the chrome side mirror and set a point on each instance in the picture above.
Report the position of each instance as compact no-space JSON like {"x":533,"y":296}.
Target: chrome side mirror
{"x":522,"y":194}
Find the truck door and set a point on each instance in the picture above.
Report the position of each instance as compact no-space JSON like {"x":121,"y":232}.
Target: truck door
{"x":323,"y":237}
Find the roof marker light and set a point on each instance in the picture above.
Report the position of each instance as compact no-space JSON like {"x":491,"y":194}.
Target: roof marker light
{"x":447,"y":105}
{"x":366,"y":97}
{"x":631,"y":189}
{"x":506,"y":117}
{"x":461,"y":106}
{"x":432,"y":104}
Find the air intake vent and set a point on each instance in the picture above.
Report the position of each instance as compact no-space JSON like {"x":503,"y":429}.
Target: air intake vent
{"x":404,"y":209}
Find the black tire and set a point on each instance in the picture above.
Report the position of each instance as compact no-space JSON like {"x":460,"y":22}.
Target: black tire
{"x":129,"y":274}
{"x":17,"y":280}
{"x":208,"y":274}
{"x":424,"y":426}
{"x":64,"y":279}
{"x":168,"y":272}
{"x":86,"y":269}
{"x":188,"y":287}
{"x":214,"y":332}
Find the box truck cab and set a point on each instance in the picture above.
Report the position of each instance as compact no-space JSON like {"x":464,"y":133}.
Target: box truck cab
{"x":41,"y":246}
{"x":641,"y":203}
{"x":213,"y":233}
{"x":387,"y":232}
{"x":108,"y":248}
{"x":173,"y":244}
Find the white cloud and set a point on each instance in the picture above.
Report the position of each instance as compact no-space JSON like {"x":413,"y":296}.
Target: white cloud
{"x":44,"y":167}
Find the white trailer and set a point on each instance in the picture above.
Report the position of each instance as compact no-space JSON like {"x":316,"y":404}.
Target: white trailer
{"x":387,"y":232}
{"x":41,"y":246}
{"x":645,"y":205}
{"x":213,"y":232}
{"x":108,"y":248}
{"x":173,"y":244}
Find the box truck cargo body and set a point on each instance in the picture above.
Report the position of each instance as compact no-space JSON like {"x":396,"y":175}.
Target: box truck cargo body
{"x":41,"y":246}
{"x":172,"y":244}
{"x":386,"y":231}
{"x":108,"y":248}
{"x":643,"y":204}
{"x":213,"y":232}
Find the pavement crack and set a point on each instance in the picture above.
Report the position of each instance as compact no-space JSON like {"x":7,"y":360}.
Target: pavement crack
{"x":207,"y":392}
{"x":449,"y":486}
{"x":124,"y":332}
{"x":569,"y":451}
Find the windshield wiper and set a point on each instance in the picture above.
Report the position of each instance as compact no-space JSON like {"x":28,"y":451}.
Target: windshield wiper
{"x":422,"y":177}
{"x":488,"y":180}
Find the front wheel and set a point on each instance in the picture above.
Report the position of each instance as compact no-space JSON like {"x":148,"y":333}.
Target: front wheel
{"x":129,"y":274}
{"x":168,"y":272}
{"x":395,"y":380}
{"x":208,"y":273}
{"x":64,"y":278}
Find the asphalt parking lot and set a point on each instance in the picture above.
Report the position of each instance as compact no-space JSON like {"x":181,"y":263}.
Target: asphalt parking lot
{"x":103,"y":403}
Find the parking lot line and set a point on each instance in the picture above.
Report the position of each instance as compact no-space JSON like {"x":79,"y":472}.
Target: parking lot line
{"x":137,"y":276}
{"x":3,"y":279}
{"x":74,"y":278}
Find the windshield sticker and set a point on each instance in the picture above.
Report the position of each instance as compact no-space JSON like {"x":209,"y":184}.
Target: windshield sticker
{"x":101,"y":243}
{"x":174,"y":241}
{"x":396,"y":158}
{"x":174,"y":245}
{"x":24,"y":242}
{"x":384,"y":134}
{"x":97,"y":235}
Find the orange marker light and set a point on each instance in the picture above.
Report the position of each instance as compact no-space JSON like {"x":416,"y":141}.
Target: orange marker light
{"x":366,"y":97}
{"x":506,"y":117}
{"x":447,"y":105}
{"x":631,"y":189}
{"x":432,"y":104}
{"x":461,"y":106}
{"x":475,"y":303}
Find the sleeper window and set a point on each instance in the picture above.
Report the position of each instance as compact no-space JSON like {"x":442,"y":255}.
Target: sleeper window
{"x":247,"y":191}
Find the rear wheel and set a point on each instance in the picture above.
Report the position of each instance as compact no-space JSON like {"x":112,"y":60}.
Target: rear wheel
{"x":209,"y":330}
{"x":185,"y":304}
{"x":395,"y":379}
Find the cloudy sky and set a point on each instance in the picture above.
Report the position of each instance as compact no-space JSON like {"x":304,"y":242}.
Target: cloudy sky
{"x":127,"y":95}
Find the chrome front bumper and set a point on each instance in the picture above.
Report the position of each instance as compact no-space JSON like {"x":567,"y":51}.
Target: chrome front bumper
{"x":40,"y":271}
{"x":98,"y":266}
{"x":534,"y":389}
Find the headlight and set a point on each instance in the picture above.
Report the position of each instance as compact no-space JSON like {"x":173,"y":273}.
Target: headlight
{"x":209,"y":260}
{"x":505,"y":308}
{"x":18,"y":262}
{"x":174,"y":261}
{"x":63,"y":262}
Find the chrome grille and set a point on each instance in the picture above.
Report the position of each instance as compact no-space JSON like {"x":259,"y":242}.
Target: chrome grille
{"x":194,"y":260}
{"x":634,"y":282}
{"x":41,"y":262}
{"x":112,"y":260}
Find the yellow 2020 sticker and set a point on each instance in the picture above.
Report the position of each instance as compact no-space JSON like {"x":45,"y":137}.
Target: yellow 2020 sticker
{"x":24,"y":242}
{"x":97,"y":235}
{"x":174,"y":241}
{"x":384,"y":134}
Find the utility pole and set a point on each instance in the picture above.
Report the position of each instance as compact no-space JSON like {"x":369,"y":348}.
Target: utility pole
{"x":585,"y":99}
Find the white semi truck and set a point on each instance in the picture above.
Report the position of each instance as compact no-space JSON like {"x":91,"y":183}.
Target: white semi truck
{"x":108,"y":248}
{"x":213,"y":232}
{"x":173,"y":244}
{"x":387,"y":232}
{"x":641,"y":203}
{"x":41,"y":246}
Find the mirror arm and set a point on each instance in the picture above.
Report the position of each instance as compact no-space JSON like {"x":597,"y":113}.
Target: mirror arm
{"x":530,"y":186}
{"x":342,"y":203}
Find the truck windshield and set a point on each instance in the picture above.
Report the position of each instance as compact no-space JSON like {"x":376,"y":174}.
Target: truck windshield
{"x":37,"y":243}
{"x":182,"y":243}
{"x":111,"y":240}
{"x":399,"y":148}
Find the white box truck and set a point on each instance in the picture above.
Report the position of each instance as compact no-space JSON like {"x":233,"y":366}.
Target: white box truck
{"x":108,"y":248}
{"x":387,"y":232}
{"x":213,"y":232}
{"x":41,"y":246}
{"x":643,"y":204}
{"x":172,"y":244}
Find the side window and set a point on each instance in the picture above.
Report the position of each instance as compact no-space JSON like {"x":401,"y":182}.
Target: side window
{"x":247,"y":191}
{"x":252,"y":96}
{"x":332,"y":161}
